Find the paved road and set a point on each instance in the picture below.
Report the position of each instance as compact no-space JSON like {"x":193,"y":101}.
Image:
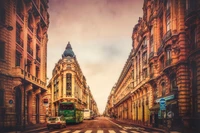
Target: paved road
{"x":98,"y":125}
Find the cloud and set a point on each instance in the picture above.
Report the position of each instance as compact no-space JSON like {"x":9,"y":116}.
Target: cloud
{"x":100,"y":34}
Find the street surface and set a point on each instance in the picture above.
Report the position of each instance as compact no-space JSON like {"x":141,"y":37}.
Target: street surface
{"x":99,"y":125}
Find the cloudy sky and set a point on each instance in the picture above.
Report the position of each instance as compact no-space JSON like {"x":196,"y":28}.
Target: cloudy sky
{"x":100,"y":35}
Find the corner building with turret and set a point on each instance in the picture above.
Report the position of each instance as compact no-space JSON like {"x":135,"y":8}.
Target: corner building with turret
{"x":68,"y":84}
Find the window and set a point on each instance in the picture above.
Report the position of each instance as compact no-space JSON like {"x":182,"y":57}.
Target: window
{"x":144,"y":73}
{"x":1,"y":94}
{"x":69,"y":84}
{"x":28,"y":66}
{"x":37,"y":71}
{"x":151,"y":70}
{"x":56,"y":89}
{"x":168,"y":15}
{"x":161,"y":28}
{"x":29,"y":48}
{"x":163,"y":89}
{"x":151,"y":41}
{"x":18,"y":34}
{"x":2,"y":49}
{"x":168,"y":53}
{"x":194,"y":37}
{"x":18,"y":58}
{"x":173,"y":83}
{"x":162,"y":63}
{"x":2,"y":15}
{"x":144,"y":58}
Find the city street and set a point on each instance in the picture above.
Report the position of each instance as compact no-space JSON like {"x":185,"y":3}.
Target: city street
{"x":99,"y":125}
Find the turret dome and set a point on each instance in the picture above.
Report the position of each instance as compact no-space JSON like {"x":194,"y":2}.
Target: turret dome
{"x":68,"y":51}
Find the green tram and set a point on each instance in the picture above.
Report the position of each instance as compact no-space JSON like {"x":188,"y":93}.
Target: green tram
{"x":71,"y":113}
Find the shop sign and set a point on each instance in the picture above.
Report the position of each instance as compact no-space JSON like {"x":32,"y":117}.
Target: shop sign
{"x":166,"y":98}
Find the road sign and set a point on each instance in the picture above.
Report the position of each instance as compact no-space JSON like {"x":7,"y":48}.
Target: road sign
{"x":162,"y":104}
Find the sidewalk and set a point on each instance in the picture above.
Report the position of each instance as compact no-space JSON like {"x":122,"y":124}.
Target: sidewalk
{"x":29,"y":128}
{"x":152,"y":128}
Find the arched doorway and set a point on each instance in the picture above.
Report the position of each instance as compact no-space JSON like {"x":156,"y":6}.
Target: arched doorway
{"x":18,"y":105}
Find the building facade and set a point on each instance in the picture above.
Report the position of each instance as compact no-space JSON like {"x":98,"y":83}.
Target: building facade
{"x":68,"y":84}
{"x":23,"y":61}
{"x":165,"y":59}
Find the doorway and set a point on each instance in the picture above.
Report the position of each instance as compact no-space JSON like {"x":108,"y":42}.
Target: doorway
{"x":18,"y":106}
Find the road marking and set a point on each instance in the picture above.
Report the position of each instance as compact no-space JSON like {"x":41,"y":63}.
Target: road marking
{"x":66,"y":131}
{"x":111,"y":131}
{"x":88,"y":131}
{"x":135,"y":132}
{"x":123,"y":131}
{"x":116,"y":124}
{"x":99,"y":131}
{"x":77,"y":131}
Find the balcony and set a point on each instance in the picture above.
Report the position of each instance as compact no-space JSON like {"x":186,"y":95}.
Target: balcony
{"x":151,"y":55}
{"x":20,"y":42}
{"x":30,"y":50}
{"x":38,"y":59}
{"x":160,"y":50}
{"x":167,"y":35}
{"x":19,"y":72}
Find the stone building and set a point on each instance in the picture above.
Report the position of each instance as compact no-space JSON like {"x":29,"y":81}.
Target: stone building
{"x":23,"y":59}
{"x":68,"y":84}
{"x":165,"y":58}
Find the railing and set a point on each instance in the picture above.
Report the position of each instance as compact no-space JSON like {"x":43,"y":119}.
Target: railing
{"x":151,"y":55}
{"x":167,"y":35}
{"x":38,"y":59}
{"x":30,"y":50}
{"x":20,"y":72}
{"x":20,"y":42}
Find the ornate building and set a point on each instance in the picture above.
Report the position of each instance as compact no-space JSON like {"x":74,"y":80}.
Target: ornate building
{"x":23,"y":59}
{"x":68,"y":84}
{"x":165,"y":58}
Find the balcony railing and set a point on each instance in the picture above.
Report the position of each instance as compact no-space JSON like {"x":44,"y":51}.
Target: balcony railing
{"x":151,"y":55}
{"x":38,"y":59}
{"x":18,"y":72}
{"x":167,"y":35}
{"x":20,"y":42}
{"x":30,"y":50}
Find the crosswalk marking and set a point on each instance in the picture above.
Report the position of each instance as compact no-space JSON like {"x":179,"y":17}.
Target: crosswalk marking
{"x":77,"y":131}
{"x":100,"y":131}
{"x":123,"y":131}
{"x":88,"y":131}
{"x":111,"y":131}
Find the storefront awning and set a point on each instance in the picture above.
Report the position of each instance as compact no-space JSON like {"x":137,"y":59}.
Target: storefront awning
{"x":157,"y":106}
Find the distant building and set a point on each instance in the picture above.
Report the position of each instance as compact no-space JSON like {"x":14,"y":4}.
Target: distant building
{"x":68,"y":84}
{"x":23,"y":61}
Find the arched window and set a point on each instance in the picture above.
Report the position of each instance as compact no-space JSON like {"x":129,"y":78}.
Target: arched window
{"x":168,"y":54}
{"x":69,"y":84}
{"x":163,"y":89}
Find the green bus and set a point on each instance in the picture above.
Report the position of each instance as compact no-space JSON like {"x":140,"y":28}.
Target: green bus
{"x":71,"y":113}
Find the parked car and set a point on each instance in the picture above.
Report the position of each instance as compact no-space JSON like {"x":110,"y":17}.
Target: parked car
{"x":57,"y":121}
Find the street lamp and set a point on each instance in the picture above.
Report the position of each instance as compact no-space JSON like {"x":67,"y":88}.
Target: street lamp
{"x":25,"y":65}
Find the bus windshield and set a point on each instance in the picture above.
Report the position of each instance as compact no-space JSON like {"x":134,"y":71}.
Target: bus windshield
{"x":66,"y":106}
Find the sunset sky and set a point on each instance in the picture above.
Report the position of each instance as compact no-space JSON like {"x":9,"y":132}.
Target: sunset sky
{"x":100,"y":35}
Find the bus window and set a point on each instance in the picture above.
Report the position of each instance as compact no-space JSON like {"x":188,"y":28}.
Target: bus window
{"x":66,"y":107}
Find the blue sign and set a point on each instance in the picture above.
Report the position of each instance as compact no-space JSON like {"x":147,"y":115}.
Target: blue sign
{"x":162,"y":104}
{"x":166,"y":98}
